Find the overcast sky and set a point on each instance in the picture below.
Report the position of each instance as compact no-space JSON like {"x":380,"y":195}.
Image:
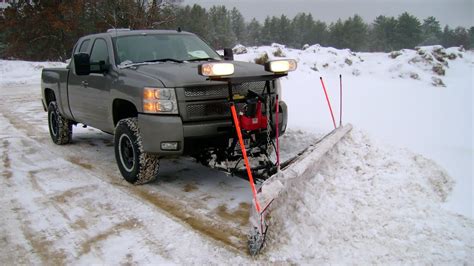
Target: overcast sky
{"x":451,"y":12}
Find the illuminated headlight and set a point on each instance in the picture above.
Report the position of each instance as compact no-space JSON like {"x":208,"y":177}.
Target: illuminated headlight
{"x":216,"y":69}
{"x":159,"y":100}
{"x":281,"y":66}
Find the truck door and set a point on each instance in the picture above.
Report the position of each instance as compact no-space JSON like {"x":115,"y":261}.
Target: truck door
{"x":89,"y":96}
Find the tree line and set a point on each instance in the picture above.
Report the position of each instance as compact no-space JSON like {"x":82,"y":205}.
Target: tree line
{"x":47,"y":30}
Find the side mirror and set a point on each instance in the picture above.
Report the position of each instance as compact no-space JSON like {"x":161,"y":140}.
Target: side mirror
{"x":82,"y":65}
{"x":228,"y":54}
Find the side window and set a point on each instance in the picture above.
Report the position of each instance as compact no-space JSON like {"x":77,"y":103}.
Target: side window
{"x":84,"y":46}
{"x":99,"y":52}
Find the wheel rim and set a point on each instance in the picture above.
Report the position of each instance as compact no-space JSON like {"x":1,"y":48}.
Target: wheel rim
{"x":126,"y":152}
{"x":53,"y":123}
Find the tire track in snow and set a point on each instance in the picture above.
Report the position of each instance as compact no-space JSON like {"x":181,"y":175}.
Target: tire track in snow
{"x":225,"y":226}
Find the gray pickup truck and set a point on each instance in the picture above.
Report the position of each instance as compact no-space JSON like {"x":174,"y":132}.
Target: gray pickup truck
{"x":156,"y":92}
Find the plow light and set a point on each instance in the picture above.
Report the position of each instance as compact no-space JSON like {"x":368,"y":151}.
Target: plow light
{"x":281,"y":66}
{"x":216,"y":69}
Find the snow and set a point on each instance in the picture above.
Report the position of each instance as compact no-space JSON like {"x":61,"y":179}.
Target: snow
{"x":397,"y":189}
{"x":14,"y":73}
{"x":370,"y":205}
{"x":382,"y":98}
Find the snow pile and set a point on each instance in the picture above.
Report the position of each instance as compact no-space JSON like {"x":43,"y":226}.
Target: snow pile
{"x":369,"y":204}
{"x":426,"y":63}
{"x":22,"y":72}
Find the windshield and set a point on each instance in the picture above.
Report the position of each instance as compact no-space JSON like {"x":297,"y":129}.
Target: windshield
{"x":164,"y":47}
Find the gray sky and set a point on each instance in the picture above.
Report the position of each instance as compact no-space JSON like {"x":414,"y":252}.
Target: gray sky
{"x":451,"y":12}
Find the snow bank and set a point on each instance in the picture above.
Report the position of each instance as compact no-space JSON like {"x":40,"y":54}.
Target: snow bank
{"x":426,"y":63}
{"x":22,"y":72}
{"x":369,"y":204}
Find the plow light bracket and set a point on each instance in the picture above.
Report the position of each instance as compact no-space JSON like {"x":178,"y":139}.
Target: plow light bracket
{"x":281,"y":66}
{"x":216,"y":69}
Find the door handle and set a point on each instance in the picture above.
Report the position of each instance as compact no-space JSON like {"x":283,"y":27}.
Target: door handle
{"x":84,"y":83}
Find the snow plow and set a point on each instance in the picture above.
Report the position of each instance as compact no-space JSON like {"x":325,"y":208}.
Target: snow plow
{"x":248,"y":120}
{"x":271,"y":188}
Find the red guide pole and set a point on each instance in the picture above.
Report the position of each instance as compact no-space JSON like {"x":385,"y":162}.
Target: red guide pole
{"x":277,"y":108}
{"x":340,"y":100}
{"x":244,"y":154}
{"x":329,"y":103}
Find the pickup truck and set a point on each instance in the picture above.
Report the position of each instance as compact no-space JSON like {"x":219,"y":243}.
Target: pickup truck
{"x":155,"y":91}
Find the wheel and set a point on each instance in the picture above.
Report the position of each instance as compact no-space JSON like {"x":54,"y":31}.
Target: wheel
{"x":136,"y":166}
{"x":60,"y":128}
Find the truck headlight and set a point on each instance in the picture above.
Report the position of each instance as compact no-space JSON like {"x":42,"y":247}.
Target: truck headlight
{"x":216,"y":69}
{"x":159,"y":100}
{"x":281,"y":66}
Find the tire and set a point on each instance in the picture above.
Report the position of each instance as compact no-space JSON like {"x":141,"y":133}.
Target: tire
{"x":60,"y":128}
{"x":137,"y":167}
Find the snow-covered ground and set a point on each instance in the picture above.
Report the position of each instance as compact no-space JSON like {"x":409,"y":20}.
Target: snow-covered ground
{"x":366,"y":203}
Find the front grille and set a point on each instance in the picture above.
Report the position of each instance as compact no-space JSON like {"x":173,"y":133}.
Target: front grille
{"x":222,"y":90}
{"x":208,"y":109}
{"x":206,"y":91}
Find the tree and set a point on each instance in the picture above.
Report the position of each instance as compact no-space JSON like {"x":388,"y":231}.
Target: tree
{"x":461,"y":37}
{"x":254,"y":32}
{"x":355,"y":33}
{"x":408,"y":31}
{"x":238,"y":25}
{"x":431,"y":31}
{"x":382,"y":34}
{"x":47,"y":30}
{"x":220,"y":28}
{"x":447,"y":39}
{"x":267,"y":31}
{"x":318,"y":34}
{"x":471,"y":37}
{"x":193,"y":19}
{"x":283,"y":32}
{"x":306,"y":31}
{"x":336,"y":34}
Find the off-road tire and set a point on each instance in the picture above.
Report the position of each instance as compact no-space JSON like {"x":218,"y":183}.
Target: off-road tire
{"x":137,"y":167}
{"x":60,"y":128}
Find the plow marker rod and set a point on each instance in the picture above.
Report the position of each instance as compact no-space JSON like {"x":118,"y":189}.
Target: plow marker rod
{"x":329,"y":103}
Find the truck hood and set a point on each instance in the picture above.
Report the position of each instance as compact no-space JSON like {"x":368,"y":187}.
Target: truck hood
{"x":186,"y":74}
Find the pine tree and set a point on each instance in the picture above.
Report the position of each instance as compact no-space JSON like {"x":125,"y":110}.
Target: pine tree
{"x":461,"y":37}
{"x":220,"y":28}
{"x":238,"y":25}
{"x":471,"y":37}
{"x":355,"y":33}
{"x":431,"y":31}
{"x":284,"y":33}
{"x":254,"y":33}
{"x":447,"y":39}
{"x":382,"y":34}
{"x":267,"y":31}
{"x":336,"y":34}
{"x":408,"y":31}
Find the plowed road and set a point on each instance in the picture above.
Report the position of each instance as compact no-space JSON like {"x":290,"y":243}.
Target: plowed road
{"x":63,"y":204}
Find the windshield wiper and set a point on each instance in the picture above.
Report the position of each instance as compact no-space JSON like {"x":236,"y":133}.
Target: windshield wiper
{"x":202,"y":59}
{"x":164,"y":60}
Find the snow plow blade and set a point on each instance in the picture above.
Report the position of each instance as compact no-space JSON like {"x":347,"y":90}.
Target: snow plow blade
{"x":290,"y":170}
